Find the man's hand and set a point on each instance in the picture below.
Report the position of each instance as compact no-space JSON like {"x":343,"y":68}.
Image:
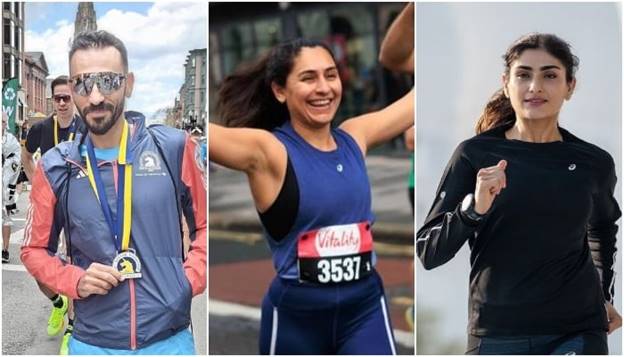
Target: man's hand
{"x":615,"y":320}
{"x":99,"y":279}
{"x":397,"y":49}
{"x":490,"y":182}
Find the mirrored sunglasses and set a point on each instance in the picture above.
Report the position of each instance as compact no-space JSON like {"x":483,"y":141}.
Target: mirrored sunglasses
{"x":107,"y":83}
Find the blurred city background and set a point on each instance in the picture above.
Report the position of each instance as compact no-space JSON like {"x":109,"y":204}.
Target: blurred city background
{"x":240,"y":267}
{"x":459,"y":66}
{"x":166,"y":45}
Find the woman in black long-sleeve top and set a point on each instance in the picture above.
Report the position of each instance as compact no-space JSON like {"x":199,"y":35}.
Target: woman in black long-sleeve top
{"x":536,"y":205}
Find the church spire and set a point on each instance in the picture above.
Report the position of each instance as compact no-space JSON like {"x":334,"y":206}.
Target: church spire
{"x":85,"y":18}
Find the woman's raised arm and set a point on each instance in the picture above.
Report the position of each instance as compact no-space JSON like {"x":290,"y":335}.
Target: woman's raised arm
{"x":374,"y":128}
{"x":254,"y":151}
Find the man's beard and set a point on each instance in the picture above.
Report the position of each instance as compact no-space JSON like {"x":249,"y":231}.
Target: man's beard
{"x":102,"y":127}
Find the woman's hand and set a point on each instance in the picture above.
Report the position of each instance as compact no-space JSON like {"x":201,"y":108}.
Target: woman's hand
{"x":490,"y":182}
{"x":615,"y":320}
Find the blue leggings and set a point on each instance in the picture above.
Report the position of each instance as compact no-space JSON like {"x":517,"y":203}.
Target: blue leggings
{"x":580,"y":343}
{"x":348,"y":318}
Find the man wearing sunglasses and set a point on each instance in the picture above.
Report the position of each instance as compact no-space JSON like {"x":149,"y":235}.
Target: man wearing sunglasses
{"x":119,"y":192}
{"x":62,"y":125}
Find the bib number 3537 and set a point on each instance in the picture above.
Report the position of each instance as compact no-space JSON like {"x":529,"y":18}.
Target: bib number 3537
{"x":341,"y":269}
{"x":335,"y":254}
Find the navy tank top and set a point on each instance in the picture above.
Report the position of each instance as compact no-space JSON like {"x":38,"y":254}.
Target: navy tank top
{"x":334,"y":191}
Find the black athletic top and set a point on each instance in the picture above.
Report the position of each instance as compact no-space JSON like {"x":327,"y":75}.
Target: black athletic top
{"x":531,"y":257}
{"x":41,"y":135}
{"x":279,"y":219}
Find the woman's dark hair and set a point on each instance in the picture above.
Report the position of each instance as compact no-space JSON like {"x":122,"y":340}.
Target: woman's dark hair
{"x":498,"y":111}
{"x":245,"y":98}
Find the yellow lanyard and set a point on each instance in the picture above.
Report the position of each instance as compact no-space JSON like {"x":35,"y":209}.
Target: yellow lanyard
{"x":124,"y":187}
{"x":71,"y":133}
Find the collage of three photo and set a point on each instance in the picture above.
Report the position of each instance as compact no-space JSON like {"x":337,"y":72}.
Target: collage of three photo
{"x":232,"y":178}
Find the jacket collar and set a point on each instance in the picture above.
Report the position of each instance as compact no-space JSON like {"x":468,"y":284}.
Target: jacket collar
{"x":137,"y":132}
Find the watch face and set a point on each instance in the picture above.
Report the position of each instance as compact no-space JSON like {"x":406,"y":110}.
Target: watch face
{"x":467,"y":202}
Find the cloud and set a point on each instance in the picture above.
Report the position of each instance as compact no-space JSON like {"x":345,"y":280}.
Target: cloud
{"x":157,"y":43}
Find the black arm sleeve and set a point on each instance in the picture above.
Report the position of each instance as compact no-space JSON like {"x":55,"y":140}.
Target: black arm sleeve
{"x":602,"y":230}
{"x":33,"y":140}
{"x":445,"y":230}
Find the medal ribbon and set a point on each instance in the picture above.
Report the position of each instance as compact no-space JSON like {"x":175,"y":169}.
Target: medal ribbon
{"x":120,"y":223}
{"x":72,"y":130}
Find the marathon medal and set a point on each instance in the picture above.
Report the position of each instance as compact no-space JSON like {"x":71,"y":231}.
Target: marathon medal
{"x":128,"y":264}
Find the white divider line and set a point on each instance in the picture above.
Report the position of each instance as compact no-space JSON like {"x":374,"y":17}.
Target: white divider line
{"x":17,"y":237}
{"x":13,"y":267}
{"x":222,"y":308}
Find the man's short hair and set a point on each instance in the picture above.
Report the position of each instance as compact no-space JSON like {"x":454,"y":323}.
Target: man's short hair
{"x":59,"y":81}
{"x":99,"y":39}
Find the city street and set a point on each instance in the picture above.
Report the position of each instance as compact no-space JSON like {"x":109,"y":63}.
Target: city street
{"x":25,"y":309}
{"x":240,"y":268}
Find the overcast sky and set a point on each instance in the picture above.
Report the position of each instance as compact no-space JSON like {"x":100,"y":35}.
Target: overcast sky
{"x":459,"y":66}
{"x":158,"y":37}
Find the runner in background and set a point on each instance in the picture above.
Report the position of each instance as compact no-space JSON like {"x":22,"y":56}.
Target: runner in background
{"x":10,"y":172}
{"x":62,"y":125}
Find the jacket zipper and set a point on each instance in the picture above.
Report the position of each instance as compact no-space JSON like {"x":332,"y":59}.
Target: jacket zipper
{"x":133,"y":344}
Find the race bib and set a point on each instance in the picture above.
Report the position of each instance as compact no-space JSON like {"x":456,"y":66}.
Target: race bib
{"x":335,"y":254}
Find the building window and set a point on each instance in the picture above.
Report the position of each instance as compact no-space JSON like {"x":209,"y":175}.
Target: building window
{"x":17,"y":32}
{"x":6,"y":67}
{"x":314,"y":24}
{"x":6,"y":5}
{"x":6,"y":30}
{"x":237,"y":45}
{"x":268,"y":33}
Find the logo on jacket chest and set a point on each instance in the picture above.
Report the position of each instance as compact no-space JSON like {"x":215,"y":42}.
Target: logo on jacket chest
{"x":149,"y":164}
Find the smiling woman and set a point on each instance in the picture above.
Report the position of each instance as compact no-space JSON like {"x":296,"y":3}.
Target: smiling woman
{"x":536,"y":205}
{"x":311,"y":189}
{"x":255,"y":95}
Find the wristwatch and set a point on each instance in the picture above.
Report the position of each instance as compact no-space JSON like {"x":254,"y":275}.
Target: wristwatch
{"x":468,"y":211}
